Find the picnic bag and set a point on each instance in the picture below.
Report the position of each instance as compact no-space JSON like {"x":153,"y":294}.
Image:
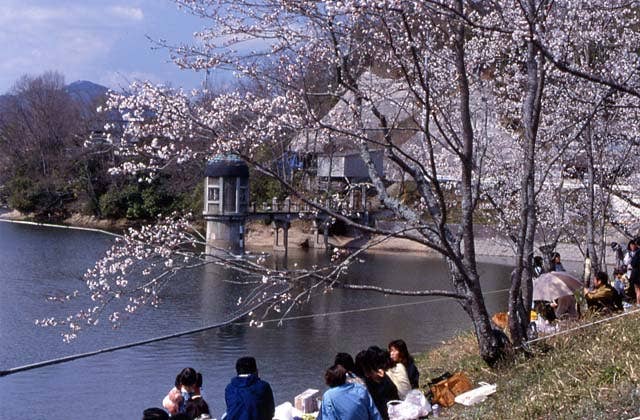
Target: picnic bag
{"x":445,"y":391}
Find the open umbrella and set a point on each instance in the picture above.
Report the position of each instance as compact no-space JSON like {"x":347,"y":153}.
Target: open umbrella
{"x":555,"y":284}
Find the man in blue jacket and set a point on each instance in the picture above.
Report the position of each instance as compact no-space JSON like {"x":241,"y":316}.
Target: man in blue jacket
{"x":247,"y":396}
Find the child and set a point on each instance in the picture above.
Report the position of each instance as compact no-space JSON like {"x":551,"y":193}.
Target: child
{"x":620,"y":281}
{"x":187,"y":384}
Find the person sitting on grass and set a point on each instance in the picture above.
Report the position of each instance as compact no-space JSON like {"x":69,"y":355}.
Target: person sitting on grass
{"x":603,"y":298}
{"x":544,"y":310}
{"x":247,"y":396}
{"x":400,"y":354}
{"x":347,"y":362}
{"x":187,"y":384}
{"x":346,"y":401}
{"x":398,"y":374}
{"x":565,"y":307}
{"x":620,"y":282}
{"x":378,"y":383}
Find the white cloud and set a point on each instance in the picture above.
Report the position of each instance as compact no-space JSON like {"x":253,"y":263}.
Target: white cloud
{"x":12,"y":15}
{"x":75,"y":13}
{"x":74,"y":37}
{"x":100,"y":40}
{"x":132,"y":13}
{"x":30,"y":13}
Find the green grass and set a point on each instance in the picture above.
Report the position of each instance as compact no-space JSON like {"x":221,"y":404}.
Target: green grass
{"x":589,"y":374}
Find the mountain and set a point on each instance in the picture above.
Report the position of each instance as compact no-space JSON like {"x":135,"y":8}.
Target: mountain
{"x":86,"y":92}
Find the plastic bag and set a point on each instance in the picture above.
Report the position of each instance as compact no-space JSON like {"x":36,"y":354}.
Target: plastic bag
{"x":414,"y":406}
{"x":416,"y":397}
{"x":284,"y":411}
{"x":402,"y":410}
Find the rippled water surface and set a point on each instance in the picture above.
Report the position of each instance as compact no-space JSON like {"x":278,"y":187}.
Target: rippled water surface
{"x":37,"y":261}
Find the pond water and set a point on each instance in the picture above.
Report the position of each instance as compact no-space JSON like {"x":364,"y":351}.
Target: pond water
{"x":37,"y":261}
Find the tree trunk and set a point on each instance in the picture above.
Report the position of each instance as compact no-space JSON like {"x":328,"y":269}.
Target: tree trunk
{"x":520,"y":292}
{"x":488,"y":344}
{"x":591,"y":206}
{"x":490,"y":349}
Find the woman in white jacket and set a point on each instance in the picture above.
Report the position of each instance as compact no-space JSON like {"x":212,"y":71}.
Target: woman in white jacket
{"x":398,"y":374}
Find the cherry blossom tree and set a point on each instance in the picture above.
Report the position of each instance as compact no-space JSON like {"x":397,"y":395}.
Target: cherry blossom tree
{"x":449,"y":91}
{"x":550,"y":108}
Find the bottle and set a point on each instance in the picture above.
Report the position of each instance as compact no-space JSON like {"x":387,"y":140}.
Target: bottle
{"x":532,"y":331}
{"x":436,"y":410}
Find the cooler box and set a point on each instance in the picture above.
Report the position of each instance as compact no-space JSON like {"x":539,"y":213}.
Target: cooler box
{"x":307,"y":402}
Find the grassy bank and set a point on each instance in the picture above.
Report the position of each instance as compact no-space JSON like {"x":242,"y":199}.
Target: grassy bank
{"x":592,"y":373}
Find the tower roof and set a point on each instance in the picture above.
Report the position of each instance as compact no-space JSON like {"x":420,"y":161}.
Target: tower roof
{"x":227,"y":165}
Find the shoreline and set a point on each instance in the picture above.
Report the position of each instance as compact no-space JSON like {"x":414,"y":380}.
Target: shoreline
{"x":76,"y":222}
{"x":488,"y":244}
{"x":261,"y":236}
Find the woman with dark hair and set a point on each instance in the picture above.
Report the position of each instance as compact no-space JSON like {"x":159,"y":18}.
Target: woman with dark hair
{"x":188,"y":377}
{"x":372,"y":364}
{"x":346,"y":361}
{"x":400,"y":354}
{"x":398,"y":374}
{"x":190,"y":383}
{"x":345,"y":401}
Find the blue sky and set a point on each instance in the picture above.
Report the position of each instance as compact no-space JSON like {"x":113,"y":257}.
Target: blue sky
{"x":103,"y":41}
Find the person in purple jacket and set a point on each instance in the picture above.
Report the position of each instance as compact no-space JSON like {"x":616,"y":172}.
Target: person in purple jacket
{"x":247,"y":396}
